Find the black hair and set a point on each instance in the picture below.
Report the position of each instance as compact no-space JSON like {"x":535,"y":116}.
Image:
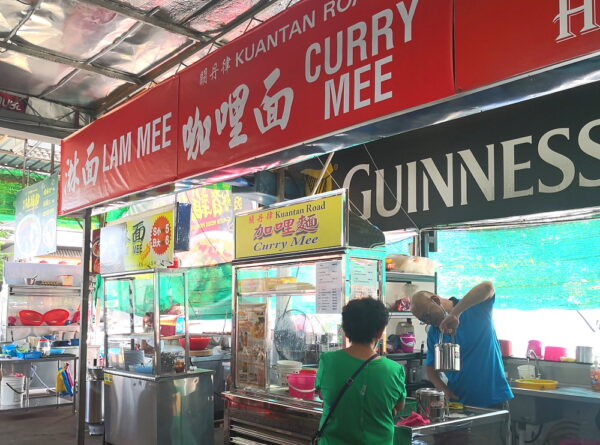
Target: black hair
{"x":363,"y":318}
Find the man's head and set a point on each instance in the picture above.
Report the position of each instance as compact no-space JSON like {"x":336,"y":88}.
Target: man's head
{"x":427,"y":307}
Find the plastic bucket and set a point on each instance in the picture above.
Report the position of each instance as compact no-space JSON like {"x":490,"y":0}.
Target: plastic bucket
{"x":407,"y":343}
{"x":11,"y":390}
{"x":302,"y":385}
{"x":286,"y":367}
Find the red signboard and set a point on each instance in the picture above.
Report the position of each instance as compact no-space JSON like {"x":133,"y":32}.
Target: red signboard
{"x":498,"y":39}
{"x":315,"y":69}
{"x":131,"y":149}
{"x":13,"y":103}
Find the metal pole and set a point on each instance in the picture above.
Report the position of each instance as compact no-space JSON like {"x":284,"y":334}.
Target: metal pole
{"x":52,"y":149}
{"x":85,"y":297}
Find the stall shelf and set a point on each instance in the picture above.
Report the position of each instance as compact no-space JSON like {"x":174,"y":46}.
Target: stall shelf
{"x":38,"y":398}
{"x":17,"y":296}
{"x":149,"y":377}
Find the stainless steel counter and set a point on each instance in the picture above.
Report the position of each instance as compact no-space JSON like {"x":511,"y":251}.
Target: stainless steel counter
{"x":166,"y":410}
{"x":569,"y":393}
{"x":270,"y":418}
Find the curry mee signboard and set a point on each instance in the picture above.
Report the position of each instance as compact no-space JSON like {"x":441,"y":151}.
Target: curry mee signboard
{"x":299,"y":226}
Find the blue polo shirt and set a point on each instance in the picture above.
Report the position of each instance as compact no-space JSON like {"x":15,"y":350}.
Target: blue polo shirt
{"x":481,"y":381}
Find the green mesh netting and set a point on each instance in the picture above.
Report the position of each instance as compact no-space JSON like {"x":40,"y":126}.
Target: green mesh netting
{"x":554,"y":266}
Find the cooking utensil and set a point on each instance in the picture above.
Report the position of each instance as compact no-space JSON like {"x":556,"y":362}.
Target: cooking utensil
{"x":583,"y":354}
{"x":432,"y":403}
{"x":30,"y":281}
{"x":447,"y":355}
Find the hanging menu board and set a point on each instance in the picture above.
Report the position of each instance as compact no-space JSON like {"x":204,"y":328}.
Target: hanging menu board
{"x":364,"y":276}
{"x":35,"y":224}
{"x":329,"y":287}
{"x":251,"y":345}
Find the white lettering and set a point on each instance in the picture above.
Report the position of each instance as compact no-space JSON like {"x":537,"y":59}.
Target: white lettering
{"x":407,"y":18}
{"x":359,"y":86}
{"x":445,"y":188}
{"x":563,"y":18}
{"x":382,"y":31}
{"x":336,"y":96}
{"x":591,"y":148}
{"x":564,"y":164}
{"x":510,"y":167}
{"x":143,"y":140}
{"x":308,"y":74}
{"x":380,"y":77}
{"x":366,"y":209}
{"x":485,"y":184}
{"x":380,"y":193}
{"x":155,"y":134}
{"x":165,"y":129}
{"x":356,"y":42}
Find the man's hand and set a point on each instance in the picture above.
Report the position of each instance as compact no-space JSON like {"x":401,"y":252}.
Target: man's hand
{"x":450,"y":395}
{"x":449,"y":324}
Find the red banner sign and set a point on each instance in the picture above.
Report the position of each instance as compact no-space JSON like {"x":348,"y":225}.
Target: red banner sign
{"x":315,"y":69}
{"x":498,"y":39}
{"x":13,"y":103}
{"x":131,"y":149}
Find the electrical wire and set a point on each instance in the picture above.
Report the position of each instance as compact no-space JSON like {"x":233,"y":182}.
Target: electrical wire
{"x":537,"y":436}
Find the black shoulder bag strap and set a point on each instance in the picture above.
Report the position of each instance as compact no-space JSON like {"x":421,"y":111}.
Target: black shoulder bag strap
{"x":335,"y":403}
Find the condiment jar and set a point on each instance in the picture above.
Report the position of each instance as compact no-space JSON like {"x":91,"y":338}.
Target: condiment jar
{"x":44,"y":347}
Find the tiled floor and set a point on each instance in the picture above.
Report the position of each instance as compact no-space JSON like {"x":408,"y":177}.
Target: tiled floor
{"x":55,"y":426}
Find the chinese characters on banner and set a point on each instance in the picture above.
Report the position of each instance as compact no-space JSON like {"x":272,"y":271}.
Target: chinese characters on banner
{"x":314,"y":69}
{"x":142,"y":243}
{"x":129,"y":150}
{"x":308,"y":225}
{"x":251,"y":345}
{"x":211,"y":235}
{"x":35,"y":223}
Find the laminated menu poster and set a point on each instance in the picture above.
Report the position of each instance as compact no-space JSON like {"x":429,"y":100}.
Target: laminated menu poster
{"x":35,"y":221}
{"x":251,"y":345}
{"x":364,"y":278}
{"x":329,"y":287}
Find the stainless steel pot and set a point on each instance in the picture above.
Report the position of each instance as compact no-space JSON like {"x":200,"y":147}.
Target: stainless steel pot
{"x":447,"y":355}
{"x":432,"y":404}
{"x":584,"y":354}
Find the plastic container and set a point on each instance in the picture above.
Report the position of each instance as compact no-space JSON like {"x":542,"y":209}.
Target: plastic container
{"x":506,"y":348}
{"x":405,"y":327}
{"x":285,"y":368}
{"x":12,"y":389}
{"x":10,"y":350}
{"x":30,"y":355}
{"x":535,"y":346}
{"x":407,"y":342}
{"x":554,"y":353}
{"x":196,"y":343}
{"x":302,"y":385}
{"x":56,"y":317}
{"x":57,"y":351}
{"x":31,"y":318}
{"x":526,"y":371}
{"x":44,"y":346}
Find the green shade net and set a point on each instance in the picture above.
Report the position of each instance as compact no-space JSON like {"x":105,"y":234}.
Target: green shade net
{"x":210,"y":292}
{"x":555,"y":266}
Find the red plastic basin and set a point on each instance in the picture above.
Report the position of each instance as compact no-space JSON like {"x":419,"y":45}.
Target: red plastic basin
{"x":196,"y":343}
{"x":31,"y":318}
{"x":56,"y":317}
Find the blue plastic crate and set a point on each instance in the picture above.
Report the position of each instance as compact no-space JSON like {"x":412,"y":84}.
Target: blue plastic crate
{"x":29,"y":355}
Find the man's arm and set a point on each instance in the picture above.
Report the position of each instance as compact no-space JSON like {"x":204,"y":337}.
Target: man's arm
{"x":434,"y":377}
{"x":480,"y":293}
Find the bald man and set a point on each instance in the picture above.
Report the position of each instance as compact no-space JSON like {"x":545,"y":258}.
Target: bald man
{"x":481,"y":381}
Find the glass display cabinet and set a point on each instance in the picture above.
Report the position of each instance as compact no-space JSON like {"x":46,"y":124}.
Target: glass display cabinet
{"x":148,"y":378}
{"x":146,"y":321}
{"x":290,"y":311}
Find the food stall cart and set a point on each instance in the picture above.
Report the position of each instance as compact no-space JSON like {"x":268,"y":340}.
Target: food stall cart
{"x":296,"y":265}
{"x":152,"y":393}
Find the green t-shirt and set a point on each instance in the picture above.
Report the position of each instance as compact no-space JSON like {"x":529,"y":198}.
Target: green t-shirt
{"x":365,"y":412}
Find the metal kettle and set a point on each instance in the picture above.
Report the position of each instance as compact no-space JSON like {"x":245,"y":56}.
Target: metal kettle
{"x":447,"y":355}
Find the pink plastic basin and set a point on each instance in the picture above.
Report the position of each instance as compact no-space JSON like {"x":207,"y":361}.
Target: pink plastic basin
{"x":554,"y":353}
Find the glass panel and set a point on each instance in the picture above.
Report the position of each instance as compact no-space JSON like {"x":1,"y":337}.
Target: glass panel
{"x":210,"y":299}
{"x":129,"y":322}
{"x":172,"y":322}
{"x":278,"y":322}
